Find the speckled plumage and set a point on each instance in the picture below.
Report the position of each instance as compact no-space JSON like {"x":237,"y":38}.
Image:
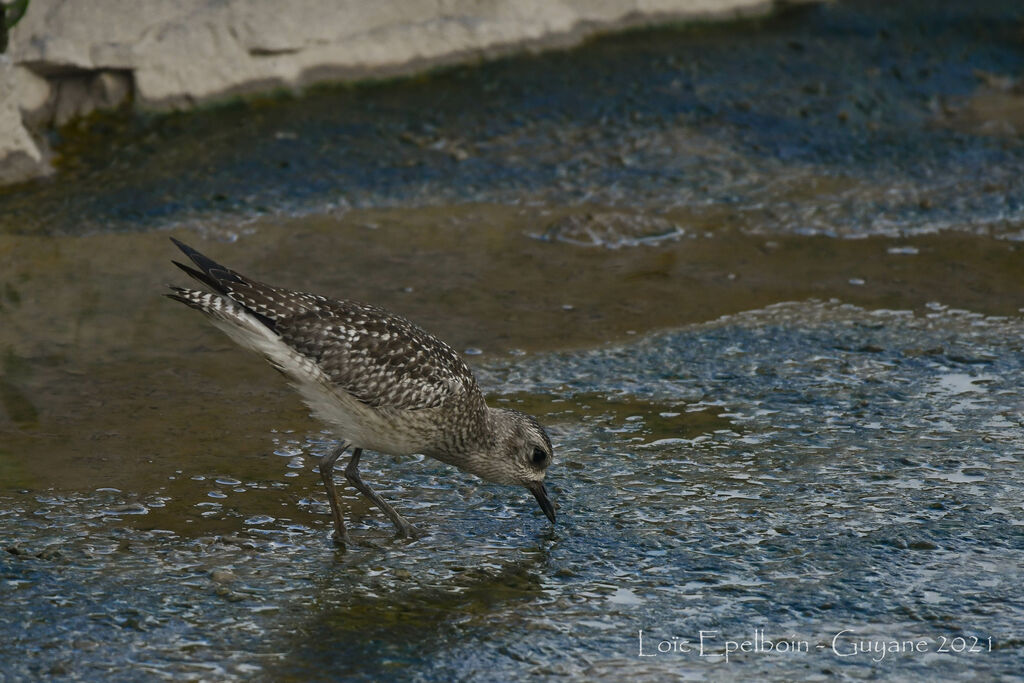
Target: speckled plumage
{"x":380,"y":381}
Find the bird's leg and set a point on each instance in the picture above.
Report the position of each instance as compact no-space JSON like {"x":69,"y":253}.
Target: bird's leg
{"x":340,"y":535}
{"x":405,"y":530}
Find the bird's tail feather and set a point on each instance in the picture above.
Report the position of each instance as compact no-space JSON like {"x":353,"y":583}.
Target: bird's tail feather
{"x":245,"y":326}
{"x":250,"y":330}
{"x":213,"y":273}
{"x":202,"y":277}
{"x":221,"y":280}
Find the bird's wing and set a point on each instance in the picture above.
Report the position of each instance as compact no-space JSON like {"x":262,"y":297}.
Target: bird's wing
{"x":379,"y":358}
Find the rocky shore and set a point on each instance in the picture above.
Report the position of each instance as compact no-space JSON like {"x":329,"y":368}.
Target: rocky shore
{"x":67,"y":58}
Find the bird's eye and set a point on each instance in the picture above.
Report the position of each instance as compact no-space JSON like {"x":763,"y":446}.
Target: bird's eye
{"x":539,"y":456}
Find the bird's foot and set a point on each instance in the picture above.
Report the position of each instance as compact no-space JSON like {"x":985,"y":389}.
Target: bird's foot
{"x":342,"y":540}
{"x":406,"y":530}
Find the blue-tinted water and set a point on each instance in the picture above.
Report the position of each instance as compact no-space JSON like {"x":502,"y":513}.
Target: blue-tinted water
{"x":865,"y":482}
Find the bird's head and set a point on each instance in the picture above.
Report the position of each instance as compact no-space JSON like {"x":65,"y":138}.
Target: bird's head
{"x":520,"y":454}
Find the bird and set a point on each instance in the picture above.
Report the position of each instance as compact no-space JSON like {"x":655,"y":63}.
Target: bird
{"x":380,"y":382}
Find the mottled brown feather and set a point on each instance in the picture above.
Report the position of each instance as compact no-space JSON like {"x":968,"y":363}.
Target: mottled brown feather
{"x":381,"y":359}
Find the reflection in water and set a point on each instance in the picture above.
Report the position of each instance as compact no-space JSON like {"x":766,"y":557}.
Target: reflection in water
{"x":404,"y":622}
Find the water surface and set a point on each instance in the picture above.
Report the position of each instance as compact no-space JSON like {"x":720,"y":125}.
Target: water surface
{"x":762,"y":281}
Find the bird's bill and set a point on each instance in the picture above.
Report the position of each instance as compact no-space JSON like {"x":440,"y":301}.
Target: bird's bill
{"x":541,"y":494}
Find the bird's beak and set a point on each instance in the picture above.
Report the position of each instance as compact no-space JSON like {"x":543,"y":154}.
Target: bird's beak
{"x":541,"y":494}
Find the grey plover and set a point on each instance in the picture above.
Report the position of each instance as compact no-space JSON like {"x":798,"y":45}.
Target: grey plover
{"x":380,"y":382}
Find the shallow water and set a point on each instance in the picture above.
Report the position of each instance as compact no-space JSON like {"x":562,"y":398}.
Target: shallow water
{"x":802,"y":470}
{"x":765,"y":431}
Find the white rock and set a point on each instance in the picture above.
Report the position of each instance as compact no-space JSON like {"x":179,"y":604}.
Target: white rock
{"x":20,"y":157}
